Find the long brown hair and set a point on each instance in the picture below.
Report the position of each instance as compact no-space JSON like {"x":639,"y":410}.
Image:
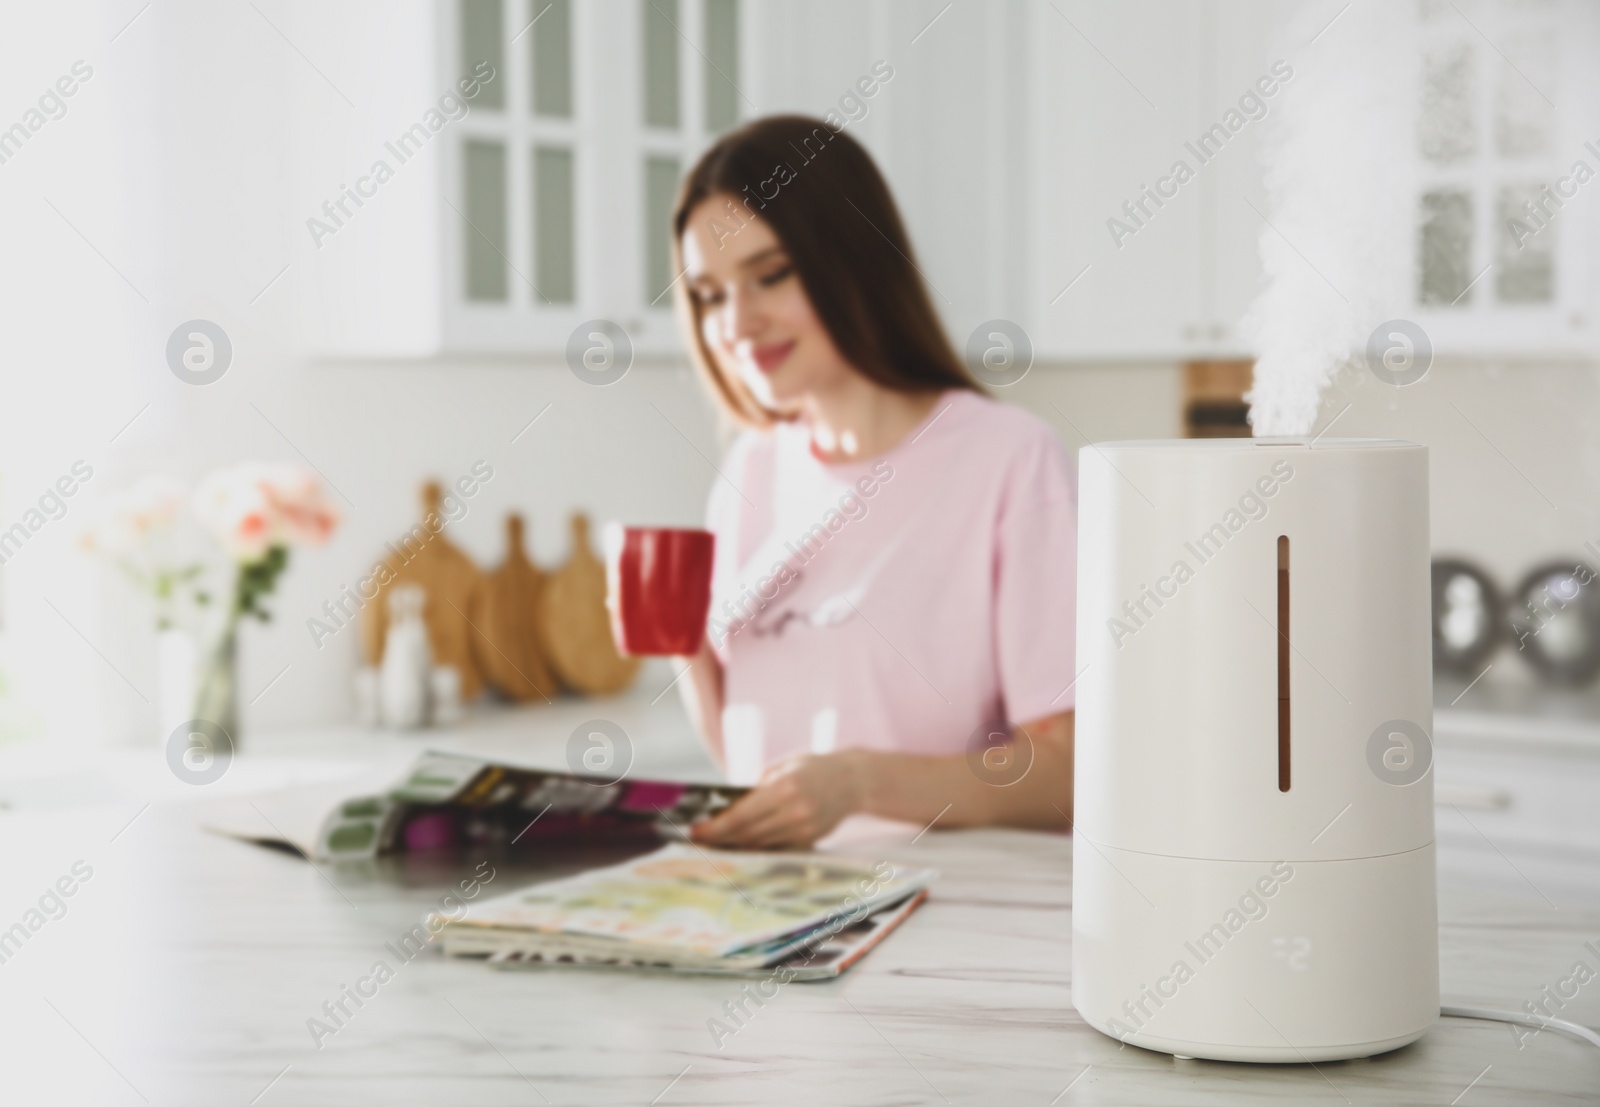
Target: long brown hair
{"x":824,"y":199}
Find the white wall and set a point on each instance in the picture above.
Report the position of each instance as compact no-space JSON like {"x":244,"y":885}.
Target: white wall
{"x":1515,"y":452}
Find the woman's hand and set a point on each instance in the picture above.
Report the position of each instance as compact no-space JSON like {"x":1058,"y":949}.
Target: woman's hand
{"x":796,"y":802}
{"x":802,"y":799}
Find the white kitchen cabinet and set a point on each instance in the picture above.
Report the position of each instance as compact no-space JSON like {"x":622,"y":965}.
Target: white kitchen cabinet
{"x":1242,"y":43}
{"x":1010,"y":132}
{"x":1508,"y":110}
{"x":1527,"y":781}
{"x":544,"y":205}
{"x":945,"y":120}
{"x":1114,"y":98}
{"x":1123,"y":93}
{"x":1013,"y":134}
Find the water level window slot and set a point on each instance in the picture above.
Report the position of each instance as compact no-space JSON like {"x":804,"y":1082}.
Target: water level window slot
{"x":1283,"y":662}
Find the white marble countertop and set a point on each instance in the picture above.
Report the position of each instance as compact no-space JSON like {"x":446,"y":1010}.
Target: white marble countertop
{"x":185,"y":971}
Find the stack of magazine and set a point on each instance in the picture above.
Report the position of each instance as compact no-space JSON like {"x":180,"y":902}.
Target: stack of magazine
{"x":679,"y":909}
{"x":692,"y":910}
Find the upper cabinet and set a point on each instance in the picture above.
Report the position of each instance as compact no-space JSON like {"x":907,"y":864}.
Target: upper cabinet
{"x":1504,"y":140}
{"x":530,"y":187}
{"x":1150,"y":197}
{"x":1147,"y":167}
{"x":1096,"y":173}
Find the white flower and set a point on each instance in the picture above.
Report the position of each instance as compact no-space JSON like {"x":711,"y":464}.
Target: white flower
{"x":137,"y":517}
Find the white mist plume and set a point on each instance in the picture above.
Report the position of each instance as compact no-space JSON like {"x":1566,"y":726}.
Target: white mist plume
{"x":1342,"y":203}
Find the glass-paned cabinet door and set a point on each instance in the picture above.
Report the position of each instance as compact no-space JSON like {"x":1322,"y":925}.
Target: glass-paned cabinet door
{"x":554,"y":224}
{"x":689,"y":93}
{"x":561,"y":178}
{"x":511,"y":191}
{"x":662,"y":95}
{"x":484,"y":173}
{"x":660,"y":189}
{"x":718,"y":50}
{"x":722,"y":65}
{"x":483,"y":40}
{"x":1501,"y":253}
{"x":551,"y":61}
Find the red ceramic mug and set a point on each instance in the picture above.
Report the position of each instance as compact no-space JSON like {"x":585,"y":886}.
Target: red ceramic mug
{"x":659,"y":580}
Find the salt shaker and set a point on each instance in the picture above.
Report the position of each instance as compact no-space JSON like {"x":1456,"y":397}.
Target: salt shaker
{"x":445,"y":695}
{"x":404,"y":680}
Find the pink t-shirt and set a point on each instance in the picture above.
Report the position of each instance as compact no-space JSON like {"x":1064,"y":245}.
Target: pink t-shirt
{"x":897,"y":603}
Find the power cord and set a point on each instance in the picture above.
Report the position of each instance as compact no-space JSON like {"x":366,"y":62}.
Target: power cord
{"x":1571,"y":1028}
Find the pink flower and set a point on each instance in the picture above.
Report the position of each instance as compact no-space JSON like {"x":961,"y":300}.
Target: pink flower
{"x":255,"y":506}
{"x":305,"y":514}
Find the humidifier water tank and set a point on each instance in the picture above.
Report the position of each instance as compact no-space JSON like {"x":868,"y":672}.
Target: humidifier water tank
{"x":1253,"y":853}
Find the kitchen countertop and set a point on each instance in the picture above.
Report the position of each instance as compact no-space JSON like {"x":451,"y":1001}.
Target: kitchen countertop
{"x":186,"y":968}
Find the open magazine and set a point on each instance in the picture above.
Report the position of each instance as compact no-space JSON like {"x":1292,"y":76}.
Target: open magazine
{"x":448,"y":799}
{"x":680,"y":909}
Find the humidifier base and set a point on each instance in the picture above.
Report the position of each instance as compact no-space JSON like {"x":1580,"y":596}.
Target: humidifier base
{"x":1255,"y":960}
{"x":1282,"y":1055}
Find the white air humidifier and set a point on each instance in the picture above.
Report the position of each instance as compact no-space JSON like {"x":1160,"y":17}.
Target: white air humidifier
{"x":1253,"y":853}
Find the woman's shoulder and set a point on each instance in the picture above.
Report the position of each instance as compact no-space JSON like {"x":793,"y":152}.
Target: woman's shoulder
{"x":1026,"y":466}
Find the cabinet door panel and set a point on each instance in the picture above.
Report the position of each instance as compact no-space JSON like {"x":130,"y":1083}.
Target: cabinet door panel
{"x":1241,"y":47}
{"x":1114,"y":94}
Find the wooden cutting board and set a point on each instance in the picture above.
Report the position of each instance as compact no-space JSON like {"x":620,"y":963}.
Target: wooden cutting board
{"x":508,"y":647}
{"x":574,"y":625}
{"x":452,"y":587}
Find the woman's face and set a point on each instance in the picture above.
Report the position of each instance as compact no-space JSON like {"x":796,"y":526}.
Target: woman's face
{"x":755,"y":317}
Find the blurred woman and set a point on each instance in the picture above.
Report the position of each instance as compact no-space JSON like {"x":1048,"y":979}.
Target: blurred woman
{"x":892,"y":622}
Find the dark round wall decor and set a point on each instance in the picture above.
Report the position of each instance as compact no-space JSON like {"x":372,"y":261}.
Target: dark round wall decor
{"x":1468,"y":617}
{"x":1555,"y":621}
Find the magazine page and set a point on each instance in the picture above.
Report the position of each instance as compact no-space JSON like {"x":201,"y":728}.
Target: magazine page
{"x":703,"y":901}
{"x":832,"y":956}
{"x":450,"y":799}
